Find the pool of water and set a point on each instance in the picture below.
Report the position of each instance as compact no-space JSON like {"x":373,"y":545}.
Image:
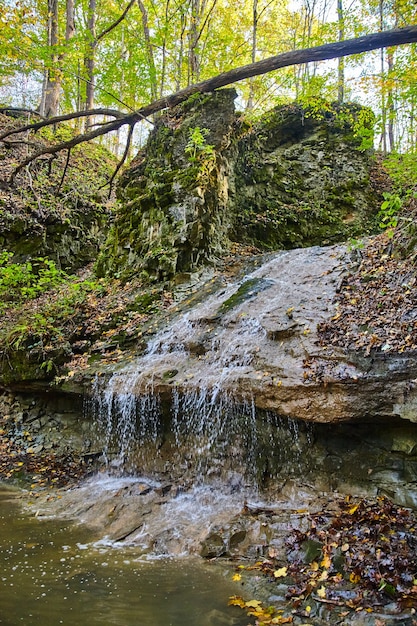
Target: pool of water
{"x":52,"y":572}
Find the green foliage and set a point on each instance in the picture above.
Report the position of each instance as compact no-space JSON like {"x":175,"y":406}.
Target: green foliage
{"x":21,"y":281}
{"x":35,"y":335}
{"x":349,"y":117}
{"x":389,"y":211}
{"x":197,"y":146}
{"x":201,"y":153}
{"x":363,"y":127}
{"x":355,"y":244}
{"x":402,"y":169}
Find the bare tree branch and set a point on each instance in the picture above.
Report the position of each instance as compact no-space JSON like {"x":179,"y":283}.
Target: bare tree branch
{"x":123,"y":159}
{"x":51,"y":121}
{"x":395,"y":37}
{"x":64,"y":145}
{"x":58,"y":189}
{"x":108,"y":30}
{"x":20,"y":110}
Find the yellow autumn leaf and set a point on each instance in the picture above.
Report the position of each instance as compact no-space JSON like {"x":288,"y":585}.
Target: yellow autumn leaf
{"x":237,"y":601}
{"x":352,"y":509}
{"x":281,"y":572}
{"x":255,"y":604}
{"x":314,"y":566}
{"x":326,"y":562}
{"x":354,"y":578}
{"x":261,"y":614}
{"x":321,"y":592}
{"x":324,"y":575}
{"x":236,"y":577}
{"x":345,"y":547}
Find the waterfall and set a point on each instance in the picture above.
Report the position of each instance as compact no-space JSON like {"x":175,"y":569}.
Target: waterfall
{"x":174,"y":408}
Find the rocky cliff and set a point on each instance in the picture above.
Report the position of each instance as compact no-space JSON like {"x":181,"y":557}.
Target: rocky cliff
{"x":206,"y":178}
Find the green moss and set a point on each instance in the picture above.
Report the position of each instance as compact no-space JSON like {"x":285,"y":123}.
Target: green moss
{"x":302,"y":177}
{"x":247,"y":290}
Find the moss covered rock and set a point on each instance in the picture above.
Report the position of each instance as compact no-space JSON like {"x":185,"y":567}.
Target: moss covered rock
{"x":54,"y":209}
{"x":297,"y":177}
{"x":302,"y":177}
{"x":173,"y":214}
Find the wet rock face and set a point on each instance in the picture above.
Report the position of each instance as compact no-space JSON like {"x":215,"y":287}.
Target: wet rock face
{"x":45,"y":423}
{"x":295,"y":178}
{"x":257,"y":341}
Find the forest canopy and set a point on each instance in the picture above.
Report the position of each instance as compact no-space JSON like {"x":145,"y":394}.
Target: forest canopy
{"x":117,"y":56}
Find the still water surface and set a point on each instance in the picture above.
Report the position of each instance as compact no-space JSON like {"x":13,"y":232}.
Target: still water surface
{"x":52,"y":572}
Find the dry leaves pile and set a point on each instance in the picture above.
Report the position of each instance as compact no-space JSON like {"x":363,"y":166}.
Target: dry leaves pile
{"x":44,"y":470}
{"x":362,"y":558}
{"x":376,"y":308}
{"x":372,"y":545}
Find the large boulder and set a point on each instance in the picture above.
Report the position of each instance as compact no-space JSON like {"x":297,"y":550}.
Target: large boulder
{"x":297,"y":177}
{"x":173,"y":213}
{"x":302,"y":177}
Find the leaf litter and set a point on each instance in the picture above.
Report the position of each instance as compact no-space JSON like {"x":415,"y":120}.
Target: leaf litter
{"x":360,"y":559}
{"x":376,"y":304}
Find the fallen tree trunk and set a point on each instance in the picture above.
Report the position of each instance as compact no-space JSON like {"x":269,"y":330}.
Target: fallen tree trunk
{"x":348,"y":47}
{"x":395,"y":37}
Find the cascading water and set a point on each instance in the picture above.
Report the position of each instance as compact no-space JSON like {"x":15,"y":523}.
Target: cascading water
{"x":180,"y":423}
{"x":156,"y":418}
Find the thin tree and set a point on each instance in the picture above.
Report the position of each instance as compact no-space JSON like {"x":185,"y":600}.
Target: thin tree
{"x":52,"y":81}
{"x":93,"y":41}
{"x":341,"y":62}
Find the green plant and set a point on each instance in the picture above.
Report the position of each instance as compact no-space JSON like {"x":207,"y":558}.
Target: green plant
{"x":402,"y":169}
{"x":355,"y":244}
{"x":201,"y":153}
{"x":22,"y":281}
{"x":389,"y":212}
{"x":196,"y":145}
{"x":363,"y":126}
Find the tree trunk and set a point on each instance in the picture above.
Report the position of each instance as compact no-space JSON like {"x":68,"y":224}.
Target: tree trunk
{"x":250,"y":102}
{"x":89,"y":61}
{"x":69,"y":20}
{"x":180,"y":58}
{"x":52,"y":82}
{"x":390,"y":100}
{"x":383,"y":140}
{"x":164,"y":50}
{"x":149,"y":49}
{"x":194,"y":37}
{"x":393,"y":37}
{"x":341,"y":64}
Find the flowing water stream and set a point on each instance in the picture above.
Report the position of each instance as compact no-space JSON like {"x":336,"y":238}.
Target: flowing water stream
{"x":53,"y":572}
{"x":186,"y":402}
{"x":183,"y":458}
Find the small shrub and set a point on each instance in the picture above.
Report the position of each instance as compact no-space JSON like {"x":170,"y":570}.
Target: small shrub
{"x":23,"y":281}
